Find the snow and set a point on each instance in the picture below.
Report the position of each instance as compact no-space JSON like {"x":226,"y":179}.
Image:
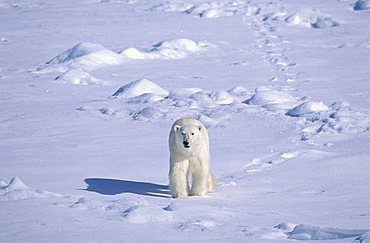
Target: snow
{"x":90,"y":89}
{"x":16,"y":190}
{"x":308,"y":108}
{"x":87,"y":54}
{"x":168,"y":49}
{"x":272,"y":99}
{"x":362,"y":5}
{"x":308,"y":232}
{"x":76,"y":76}
{"x":140,"y":87}
{"x":311,"y":18}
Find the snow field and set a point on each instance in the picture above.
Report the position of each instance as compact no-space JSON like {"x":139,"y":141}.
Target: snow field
{"x":148,"y":101}
{"x":271,"y":154}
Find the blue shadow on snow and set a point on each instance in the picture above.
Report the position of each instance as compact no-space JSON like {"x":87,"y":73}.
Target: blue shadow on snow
{"x":106,"y":186}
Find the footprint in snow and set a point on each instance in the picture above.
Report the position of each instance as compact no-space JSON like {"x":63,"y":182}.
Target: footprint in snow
{"x":260,"y":164}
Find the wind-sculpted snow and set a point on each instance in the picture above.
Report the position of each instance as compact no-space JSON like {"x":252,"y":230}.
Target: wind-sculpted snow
{"x":140,"y":87}
{"x":87,"y":56}
{"x":15,"y":190}
{"x":362,"y":5}
{"x":131,"y":209}
{"x":144,"y":100}
{"x":168,"y":49}
{"x":305,"y":232}
{"x":77,"y":76}
{"x":272,"y":99}
{"x":306,"y":17}
{"x":308,"y":232}
{"x":307,"y":108}
{"x":311,"y":18}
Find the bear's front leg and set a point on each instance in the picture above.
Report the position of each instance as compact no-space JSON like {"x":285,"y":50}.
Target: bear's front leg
{"x":199,"y":183}
{"x":178,"y":179}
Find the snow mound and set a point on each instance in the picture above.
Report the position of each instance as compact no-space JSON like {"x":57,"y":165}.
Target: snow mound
{"x":218,"y":9}
{"x":307,"y":108}
{"x":203,"y":10}
{"x":172,"y":6}
{"x":239,"y":91}
{"x":198,"y":225}
{"x":16,"y":190}
{"x":362,"y":5}
{"x":214,"y":9}
{"x":183,"y":93}
{"x":149,"y":114}
{"x":344,"y":119}
{"x":272,"y":99}
{"x":143,"y":100}
{"x":139,"y":211}
{"x":168,"y":49}
{"x":181,"y":45}
{"x":339,"y":118}
{"x":210,"y":10}
{"x":222,"y":97}
{"x":147,"y":98}
{"x":311,"y":18}
{"x":77,"y":76}
{"x":308,"y":232}
{"x":306,"y":17}
{"x":141,"y":87}
{"x":363,"y":238}
{"x":134,"y":53}
{"x":88,"y":54}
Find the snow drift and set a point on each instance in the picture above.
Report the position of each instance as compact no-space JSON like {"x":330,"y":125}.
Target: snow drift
{"x":168,"y":49}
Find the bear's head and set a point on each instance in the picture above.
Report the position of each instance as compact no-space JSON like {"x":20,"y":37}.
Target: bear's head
{"x":188,"y":137}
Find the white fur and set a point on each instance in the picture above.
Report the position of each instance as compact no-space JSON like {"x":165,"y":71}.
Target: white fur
{"x":189,"y":165}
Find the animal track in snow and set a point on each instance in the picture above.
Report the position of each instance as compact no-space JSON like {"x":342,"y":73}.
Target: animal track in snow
{"x":259,"y":164}
{"x":131,"y":209}
{"x":272,"y":45}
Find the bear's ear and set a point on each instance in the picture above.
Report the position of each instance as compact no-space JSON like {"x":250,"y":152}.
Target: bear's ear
{"x":176,"y":128}
{"x":200,"y":128}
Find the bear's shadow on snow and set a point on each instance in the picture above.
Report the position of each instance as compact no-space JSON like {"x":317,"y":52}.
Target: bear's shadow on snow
{"x":107,"y":186}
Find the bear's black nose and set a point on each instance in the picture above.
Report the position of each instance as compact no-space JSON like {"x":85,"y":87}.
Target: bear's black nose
{"x":186,"y":143}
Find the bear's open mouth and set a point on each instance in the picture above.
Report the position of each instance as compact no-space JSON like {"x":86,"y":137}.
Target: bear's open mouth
{"x":187,"y":146}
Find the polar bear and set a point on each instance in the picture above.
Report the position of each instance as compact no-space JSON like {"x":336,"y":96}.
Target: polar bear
{"x":189,"y":172}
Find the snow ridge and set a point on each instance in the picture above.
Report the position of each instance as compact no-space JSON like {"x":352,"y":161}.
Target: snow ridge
{"x":306,"y":17}
{"x":15,"y":190}
{"x":144,"y":100}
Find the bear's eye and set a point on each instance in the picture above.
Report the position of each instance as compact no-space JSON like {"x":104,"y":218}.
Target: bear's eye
{"x":192,"y":133}
{"x":183,"y":133}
